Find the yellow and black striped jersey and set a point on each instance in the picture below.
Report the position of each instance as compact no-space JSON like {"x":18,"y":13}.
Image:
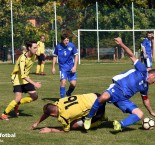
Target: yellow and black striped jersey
{"x":74,"y":107}
{"x":41,"y":48}
{"x":22,"y":69}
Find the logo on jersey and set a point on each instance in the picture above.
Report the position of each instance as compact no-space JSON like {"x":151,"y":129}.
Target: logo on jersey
{"x":113,"y":90}
{"x":69,"y":48}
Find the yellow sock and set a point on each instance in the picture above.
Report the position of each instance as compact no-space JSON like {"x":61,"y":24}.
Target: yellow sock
{"x":10,"y":106}
{"x":42,"y":67}
{"x":38,"y":68}
{"x":26,"y":100}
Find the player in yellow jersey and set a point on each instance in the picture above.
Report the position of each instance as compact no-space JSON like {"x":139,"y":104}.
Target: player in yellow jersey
{"x":21,"y":80}
{"x":71,"y":111}
{"x":41,"y":56}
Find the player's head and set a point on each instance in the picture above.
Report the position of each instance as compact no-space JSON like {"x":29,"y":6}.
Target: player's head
{"x":149,"y":35}
{"x":65,"y":39}
{"x":151,"y":76}
{"x":42,"y":38}
{"x":31,"y":46}
{"x":50,"y":110}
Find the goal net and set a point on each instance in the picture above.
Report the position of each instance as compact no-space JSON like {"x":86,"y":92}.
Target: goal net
{"x":98,"y":45}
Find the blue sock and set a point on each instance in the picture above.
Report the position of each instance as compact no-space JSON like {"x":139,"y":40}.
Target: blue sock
{"x":131,"y":119}
{"x":69,"y":92}
{"x":62,"y":92}
{"x":94,"y":108}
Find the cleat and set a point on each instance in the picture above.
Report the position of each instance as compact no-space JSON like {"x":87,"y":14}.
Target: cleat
{"x":42,"y":73}
{"x":4,"y":117}
{"x":16,"y":110}
{"x":87,"y":123}
{"x":37,"y":73}
{"x":117,"y":126}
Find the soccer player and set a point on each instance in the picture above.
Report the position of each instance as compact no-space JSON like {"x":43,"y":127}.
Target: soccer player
{"x":147,"y":49}
{"x":41,"y":56}
{"x":70,"y":111}
{"x":21,"y":80}
{"x":67,"y":58}
{"x":124,"y":86}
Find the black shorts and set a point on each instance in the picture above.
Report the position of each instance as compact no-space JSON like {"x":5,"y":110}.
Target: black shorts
{"x":41,"y":57}
{"x":23,"y":88}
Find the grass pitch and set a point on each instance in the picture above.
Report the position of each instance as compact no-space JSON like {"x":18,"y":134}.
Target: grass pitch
{"x":92,"y":77}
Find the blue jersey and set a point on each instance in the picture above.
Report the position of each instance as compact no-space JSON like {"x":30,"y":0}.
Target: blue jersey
{"x":133,"y":80}
{"x":148,"y":46}
{"x":65,"y":56}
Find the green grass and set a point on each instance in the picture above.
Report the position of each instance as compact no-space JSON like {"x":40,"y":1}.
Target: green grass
{"x":92,"y":77}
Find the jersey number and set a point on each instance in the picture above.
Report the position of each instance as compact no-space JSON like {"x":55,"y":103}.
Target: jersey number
{"x":71,"y":101}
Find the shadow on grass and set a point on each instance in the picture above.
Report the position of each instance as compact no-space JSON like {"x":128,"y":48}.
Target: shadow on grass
{"x":51,"y":99}
{"x":13,"y":115}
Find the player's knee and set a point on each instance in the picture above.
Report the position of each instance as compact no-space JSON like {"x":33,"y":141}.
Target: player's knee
{"x":34,"y":96}
{"x":63,"y":83}
{"x":138,"y":112}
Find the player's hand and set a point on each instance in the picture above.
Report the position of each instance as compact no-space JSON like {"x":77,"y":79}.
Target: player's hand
{"x":45,"y":130}
{"x":37,"y":85}
{"x":34,"y":125}
{"x":152,"y":113}
{"x":118,"y":40}
{"x":53,"y":71}
{"x":73,"y":70}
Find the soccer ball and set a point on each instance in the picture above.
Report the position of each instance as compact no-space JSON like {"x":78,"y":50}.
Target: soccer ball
{"x":148,"y":123}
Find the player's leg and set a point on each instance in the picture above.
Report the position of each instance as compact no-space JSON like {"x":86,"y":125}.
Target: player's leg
{"x":30,"y":89}
{"x":99,"y":117}
{"x":103,"y":98}
{"x":112,"y":94}
{"x":63,"y":77}
{"x":72,"y":79}
{"x":42,"y":64}
{"x":127,"y":107}
{"x":18,"y":95}
{"x":149,"y":62}
{"x":38,"y":66}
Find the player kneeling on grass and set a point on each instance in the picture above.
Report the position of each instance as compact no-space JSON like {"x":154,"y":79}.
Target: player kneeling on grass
{"x":21,"y":81}
{"x":123,"y":88}
{"x":71,"y":111}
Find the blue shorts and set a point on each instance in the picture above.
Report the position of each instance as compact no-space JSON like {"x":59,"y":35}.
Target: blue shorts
{"x":126,"y":106}
{"x":119,"y":99}
{"x":67,"y":75}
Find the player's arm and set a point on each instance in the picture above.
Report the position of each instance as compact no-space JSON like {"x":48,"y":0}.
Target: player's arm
{"x":75,"y":63}
{"x":42,"y":118}
{"x":48,"y":130}
{"x":53,"y":64}
{"x":133,"y":58}
{"x":147,"y":104}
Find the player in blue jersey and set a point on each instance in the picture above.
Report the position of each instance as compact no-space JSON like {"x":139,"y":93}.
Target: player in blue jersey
{"x":147,"y":50}
{"x":67,"y":58}
{"x":124,"y":86}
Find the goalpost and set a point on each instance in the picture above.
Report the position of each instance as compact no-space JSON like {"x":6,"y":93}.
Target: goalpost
{"x":98,"y":43}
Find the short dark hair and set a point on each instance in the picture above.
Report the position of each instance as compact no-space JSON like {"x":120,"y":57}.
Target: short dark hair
{"x":64,"y":36}
{"x":152,"y":71}
{"x":29,"y":44}
{"x":49,"y":108}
